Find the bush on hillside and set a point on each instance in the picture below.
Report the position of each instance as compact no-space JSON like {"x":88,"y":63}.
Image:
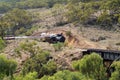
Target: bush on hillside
{"x":116,"y":73}
{"x":7,"y":67}
{"x":41,"y":63}
{"x":2,"y":44}
{"x":17,"y":20}
{"x":68,"y":33}
{"x":29,"y":76}
{"x":91,"y":66}
{"x":58,"y":46}
{"x":66,"y":75}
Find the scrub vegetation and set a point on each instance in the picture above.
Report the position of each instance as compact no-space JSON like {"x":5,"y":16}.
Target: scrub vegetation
{"x":27,"y":17}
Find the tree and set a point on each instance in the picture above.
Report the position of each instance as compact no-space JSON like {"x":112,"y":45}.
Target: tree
{"x":52,"y":2}
{"x":105,"y":20}
{"x":91,"y":66}
{"x":29,"y":76}
{"x":32,"y":4}
{"x":41,"y":63}
{"x":3,"y":28}
{"x":2,"y":44}
{"x":30,"y":48}
{"x":58,"y":12}
{"x":16,"y":19}
{"x":4,"y":7}
{"x":7,"y":67}
{"x":109,"y":13}
{"x":66,"y":75}
{"x":105,"y":13}
{"x":80,"y":11}
{"x":116,"y":74}
{"x":39,"y":60}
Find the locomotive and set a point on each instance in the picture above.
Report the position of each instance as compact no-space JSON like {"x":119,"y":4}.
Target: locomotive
{"x":54,"y":38}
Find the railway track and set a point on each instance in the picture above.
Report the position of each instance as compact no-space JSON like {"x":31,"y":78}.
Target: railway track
{"x":24,"y":37}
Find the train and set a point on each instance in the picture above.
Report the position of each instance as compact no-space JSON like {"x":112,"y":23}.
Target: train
{"x":45,"y":37}
{"x":54,"y":38}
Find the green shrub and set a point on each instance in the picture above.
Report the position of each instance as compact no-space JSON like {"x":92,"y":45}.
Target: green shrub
{"x":61,"y":23}
{"x":30,"y":47}
{"x":17,"y":51}
{"x":116,"y":74}
{"x":16,"y":21}
{"x":40,"y":63}
{"x":68,"y":33}
{"x":20,"y":31}
{"x":27,"y":47}
{"x":58,"y":46}
{"x":7,"y":67}
{"x":29,"y":32}
{"x":2,"y":44}
{"x":91,"y":66}
{"x":66,"y":75}
{"x":29,"y":76}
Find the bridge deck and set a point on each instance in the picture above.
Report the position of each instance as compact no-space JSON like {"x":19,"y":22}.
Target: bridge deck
{"x":110,"y":55}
